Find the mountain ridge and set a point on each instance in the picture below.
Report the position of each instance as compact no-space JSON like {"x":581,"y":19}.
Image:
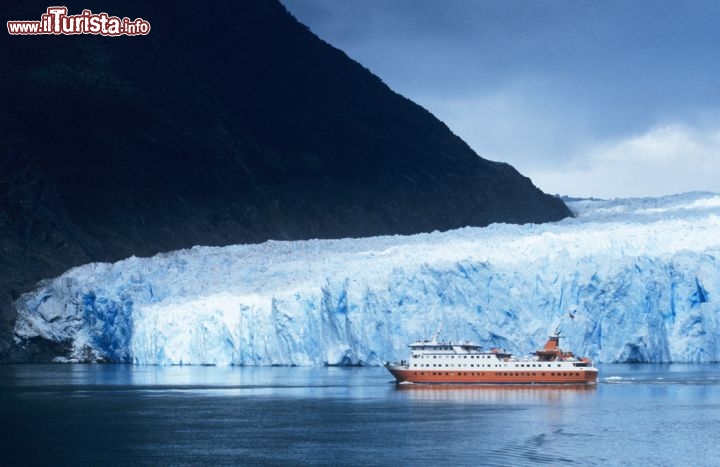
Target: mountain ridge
{"x":235,"y":126}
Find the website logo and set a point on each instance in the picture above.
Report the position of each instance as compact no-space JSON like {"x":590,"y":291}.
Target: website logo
{"x":57,"y":21}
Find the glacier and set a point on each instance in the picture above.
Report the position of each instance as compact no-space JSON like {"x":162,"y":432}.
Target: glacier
{"x":626,"y":280}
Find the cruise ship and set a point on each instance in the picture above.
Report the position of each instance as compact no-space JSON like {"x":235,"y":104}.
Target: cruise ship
{"x":464,"y":362}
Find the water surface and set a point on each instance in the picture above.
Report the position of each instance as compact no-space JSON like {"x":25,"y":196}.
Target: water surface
{"x":123,"y":414}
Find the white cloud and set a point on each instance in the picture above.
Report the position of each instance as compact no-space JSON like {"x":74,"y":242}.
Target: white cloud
{"x":560,"y":149}
{"x":667,"y":159}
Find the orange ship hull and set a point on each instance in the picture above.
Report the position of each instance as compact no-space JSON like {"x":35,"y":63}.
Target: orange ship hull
{"x":576,"y":376}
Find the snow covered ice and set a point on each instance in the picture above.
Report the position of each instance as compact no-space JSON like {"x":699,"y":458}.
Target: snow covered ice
{"x":626,"y":280}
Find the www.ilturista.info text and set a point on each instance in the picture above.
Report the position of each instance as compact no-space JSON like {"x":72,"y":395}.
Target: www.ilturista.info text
{"x":57,"y":21}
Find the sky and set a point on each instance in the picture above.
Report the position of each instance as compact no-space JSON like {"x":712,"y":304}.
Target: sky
{"x":587,"y":98}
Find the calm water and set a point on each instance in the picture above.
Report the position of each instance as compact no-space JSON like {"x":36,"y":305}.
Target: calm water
{"x":118,"y":414}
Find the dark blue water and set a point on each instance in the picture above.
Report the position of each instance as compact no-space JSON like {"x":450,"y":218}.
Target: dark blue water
{"x":118,"y":414}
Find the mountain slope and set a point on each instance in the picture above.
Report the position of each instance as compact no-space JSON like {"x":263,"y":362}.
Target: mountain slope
{"x":233,"y":124}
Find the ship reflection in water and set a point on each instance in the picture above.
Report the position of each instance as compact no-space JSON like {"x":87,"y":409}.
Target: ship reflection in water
{"x":498,"y":394}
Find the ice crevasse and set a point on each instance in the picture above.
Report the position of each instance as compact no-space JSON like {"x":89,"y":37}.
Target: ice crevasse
{"x":634,"y":280}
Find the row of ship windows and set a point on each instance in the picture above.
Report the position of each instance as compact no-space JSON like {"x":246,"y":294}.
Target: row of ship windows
{"x":453,"y":356}
{"x":434,"y":347}
{"x":498,"y":373}
{"x":504,"y":365}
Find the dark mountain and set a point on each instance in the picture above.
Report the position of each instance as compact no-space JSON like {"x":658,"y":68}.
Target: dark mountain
{"x":229,"y":123}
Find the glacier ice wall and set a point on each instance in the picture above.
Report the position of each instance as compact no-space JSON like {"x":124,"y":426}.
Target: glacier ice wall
{"x":626,"y":280}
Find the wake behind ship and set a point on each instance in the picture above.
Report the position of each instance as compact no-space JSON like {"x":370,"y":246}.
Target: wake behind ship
{"x":441,"y":362}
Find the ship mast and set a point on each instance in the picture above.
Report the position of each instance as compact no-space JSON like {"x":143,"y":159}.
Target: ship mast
{"x":435,"y":336}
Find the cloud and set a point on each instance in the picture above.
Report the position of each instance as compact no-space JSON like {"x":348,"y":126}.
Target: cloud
{"x":667,"y":159}
{"x":560,"y":150}
{"x":519,"y":124}
{"x":575,"y":95}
